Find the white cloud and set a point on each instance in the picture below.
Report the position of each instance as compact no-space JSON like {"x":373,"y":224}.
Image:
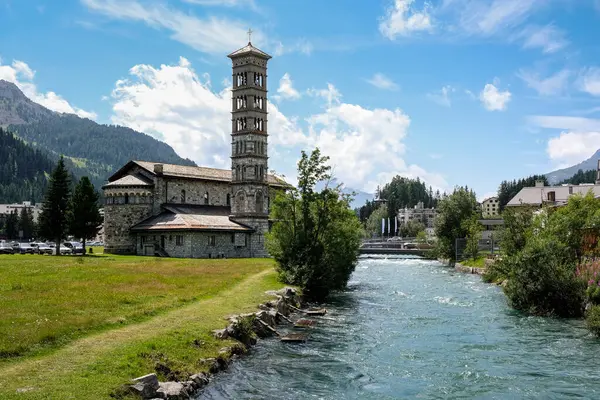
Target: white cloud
{"x":382,"y":82}
{"x":489,"y":17}
{"x":552,"y":85}
{"x":224,"y":3}
{"x":23,"y":76}
{"x":493,"y":99}
{"x":590,"y":81}
{"x":548,"y":38}
{"x":286,"y":89}
{"x":209,"y":35}
{"x":174,"y":104}
{"x":331,"y":94}
{"x":573,"y":147}
{"x":578,"y":124}
{"x":401,"y":20}
{"x":442,"y":97}
{"x":302,"y":46}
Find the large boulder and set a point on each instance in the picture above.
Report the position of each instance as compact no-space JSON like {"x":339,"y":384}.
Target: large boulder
{"x":145,"y":386}
{"x":173,"y":391}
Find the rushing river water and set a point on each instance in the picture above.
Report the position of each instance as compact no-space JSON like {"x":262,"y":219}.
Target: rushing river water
{"x":413,"y":329}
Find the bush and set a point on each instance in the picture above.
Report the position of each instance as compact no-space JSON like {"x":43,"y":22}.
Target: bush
{"x":592,"y":320}
{"x":541,"y":280}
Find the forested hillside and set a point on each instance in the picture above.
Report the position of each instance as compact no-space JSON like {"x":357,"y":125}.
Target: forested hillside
{"x":22,"y":170}
{"x":581,"y":177}
{"x":90,"y":149}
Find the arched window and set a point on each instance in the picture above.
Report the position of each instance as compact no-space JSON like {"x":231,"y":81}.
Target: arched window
{"x":240,"y":199}
{"x":206,"y":198}
{"x":126,"y":198}
{"x":228,"y":199}
{"x":182,"y":196}
{"x":259,"y":202}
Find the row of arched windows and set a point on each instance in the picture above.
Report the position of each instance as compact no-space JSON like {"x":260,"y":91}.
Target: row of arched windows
{"x":127,"y":198}
{"x":240,"y":202}
{"x":241,"y":102}
{"x":249,"y":172}
{"x":253,"y":124}
{"x":241,"y":79}
{"x":206,"y":197}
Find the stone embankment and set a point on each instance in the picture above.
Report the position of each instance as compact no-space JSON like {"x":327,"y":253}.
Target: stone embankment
{"x":244,"y":328}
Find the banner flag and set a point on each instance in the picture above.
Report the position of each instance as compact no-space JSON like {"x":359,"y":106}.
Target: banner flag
{"x":382,"y":226}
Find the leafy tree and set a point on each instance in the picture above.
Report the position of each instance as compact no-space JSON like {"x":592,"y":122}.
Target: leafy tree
{"x":84,"y":218}
{"x":517,"y":228}
{"x":53,"y":219}
{"x":411,"y":228}
{"x":316,"y":236}
{"x":422,"y":237}
{"x":12,"y":225}
{"x":453,"y":210}
{"x":473,"y":229}
{"x":373,"y":225}
{"x":26,"y":224}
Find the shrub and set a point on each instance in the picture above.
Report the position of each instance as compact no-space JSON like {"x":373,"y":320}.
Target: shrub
{"x":542,"y":281}
{"x":592,"y":320}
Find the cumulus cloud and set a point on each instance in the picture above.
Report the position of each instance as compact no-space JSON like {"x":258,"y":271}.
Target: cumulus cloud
{"x":573,"y":147}
{"x":493,"y":99}
{"x":552,"y":85}
{"x":23,"y":76}
{"x":442,"y":97}
{"x":401,"y":19}
{"x":179,"y":106}
{"x":286,"y":89}
{"x":382,"y":82}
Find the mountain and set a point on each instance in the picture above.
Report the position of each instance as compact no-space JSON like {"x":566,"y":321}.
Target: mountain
{"x":566,"y":173}
{"x":89,"y":148}
{"x":23,"y":170}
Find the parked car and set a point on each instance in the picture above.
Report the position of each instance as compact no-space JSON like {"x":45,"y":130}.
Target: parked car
{"x":25,"y":248}
{"x":6,"y":248}
{"x":41,"y":248}
{"x":64,"y":250}
{"x":76,"y":247}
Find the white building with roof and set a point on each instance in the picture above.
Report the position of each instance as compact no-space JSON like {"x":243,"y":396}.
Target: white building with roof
{"x":540,"y":195}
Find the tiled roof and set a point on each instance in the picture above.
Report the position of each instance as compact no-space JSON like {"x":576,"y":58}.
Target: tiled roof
{"x":128,"y":180}
{"x":249,"y":49}
{"x":538,"y":195}
{"x":194,"y":218}
{"x":211,"y":174}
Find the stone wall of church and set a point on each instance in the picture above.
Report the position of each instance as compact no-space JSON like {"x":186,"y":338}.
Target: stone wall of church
{"x":201,"y":244}
{"x":118,"y":219}
{"x":188,"y":191}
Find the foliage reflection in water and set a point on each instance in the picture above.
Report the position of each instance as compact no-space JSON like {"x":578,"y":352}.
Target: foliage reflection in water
{"x":411,"y":328}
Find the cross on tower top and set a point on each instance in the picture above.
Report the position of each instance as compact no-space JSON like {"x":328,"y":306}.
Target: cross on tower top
{"x":249,"y":35}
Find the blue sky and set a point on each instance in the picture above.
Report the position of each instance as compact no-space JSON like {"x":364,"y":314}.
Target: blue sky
{"x":453,"y":91}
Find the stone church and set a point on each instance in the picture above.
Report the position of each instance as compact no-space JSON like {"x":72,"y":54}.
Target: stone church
{"x":181,"y":211}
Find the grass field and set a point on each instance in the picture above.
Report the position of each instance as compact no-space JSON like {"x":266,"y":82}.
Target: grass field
{"x":79,"y":327}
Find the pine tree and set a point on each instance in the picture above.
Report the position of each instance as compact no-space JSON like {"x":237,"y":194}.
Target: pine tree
{"x":84,"y":217}
{"x":26,"y":225}
{"x":11,"y":226}
{"x":53,"y":219}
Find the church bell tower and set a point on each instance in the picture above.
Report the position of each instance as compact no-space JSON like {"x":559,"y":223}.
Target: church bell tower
{"x":249,"y":156}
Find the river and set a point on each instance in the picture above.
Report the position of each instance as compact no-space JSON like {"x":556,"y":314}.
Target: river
{"x":411,"y":328}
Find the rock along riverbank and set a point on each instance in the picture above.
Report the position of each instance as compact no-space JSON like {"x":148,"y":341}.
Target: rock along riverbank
{"x":244,"y":328}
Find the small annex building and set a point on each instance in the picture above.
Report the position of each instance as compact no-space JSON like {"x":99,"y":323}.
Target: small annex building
{"x":152,"y":208}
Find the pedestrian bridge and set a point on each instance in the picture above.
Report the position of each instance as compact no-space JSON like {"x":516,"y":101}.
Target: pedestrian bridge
{"x":396,"y":248}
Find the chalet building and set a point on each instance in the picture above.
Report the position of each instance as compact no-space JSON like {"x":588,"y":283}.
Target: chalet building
{"x":181,"y":211}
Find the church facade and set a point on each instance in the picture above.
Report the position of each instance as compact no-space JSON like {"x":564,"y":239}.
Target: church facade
{"x":171,"y":210}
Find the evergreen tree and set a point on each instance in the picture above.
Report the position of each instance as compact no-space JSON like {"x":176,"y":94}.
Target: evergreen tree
{"x":12,"y":225}
{"x":84,"y":218}
{"x":53,"y":219}
{"x":26,"y":225}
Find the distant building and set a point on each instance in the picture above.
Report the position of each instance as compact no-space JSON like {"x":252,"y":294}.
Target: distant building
{"x":491,"y":228}
{"x":419,"y":213}
{"x":6,"y":209}
{"x":490,"y":207}
{"x":541,"y":195}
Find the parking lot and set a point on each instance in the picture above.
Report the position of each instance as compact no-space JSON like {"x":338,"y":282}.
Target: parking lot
{"x":48,"y":248}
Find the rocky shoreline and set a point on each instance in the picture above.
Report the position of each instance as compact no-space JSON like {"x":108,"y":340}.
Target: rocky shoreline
{"x":244,"y":328}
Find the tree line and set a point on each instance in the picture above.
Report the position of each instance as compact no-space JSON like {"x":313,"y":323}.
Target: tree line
{"x":19,"y":225}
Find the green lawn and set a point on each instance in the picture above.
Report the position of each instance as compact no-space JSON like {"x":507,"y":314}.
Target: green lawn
{"x":78,"y":327}
{"x":478,"y":263}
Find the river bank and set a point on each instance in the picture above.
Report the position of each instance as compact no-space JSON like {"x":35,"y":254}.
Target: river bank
{"x":412,"y":328}
{"x":200,"y":294}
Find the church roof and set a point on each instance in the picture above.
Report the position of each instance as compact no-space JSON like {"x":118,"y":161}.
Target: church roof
{"x":182,"y":217}
{"x":249,"y":49}
{"x":190,"y":172}
{"x":128,"y":180}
